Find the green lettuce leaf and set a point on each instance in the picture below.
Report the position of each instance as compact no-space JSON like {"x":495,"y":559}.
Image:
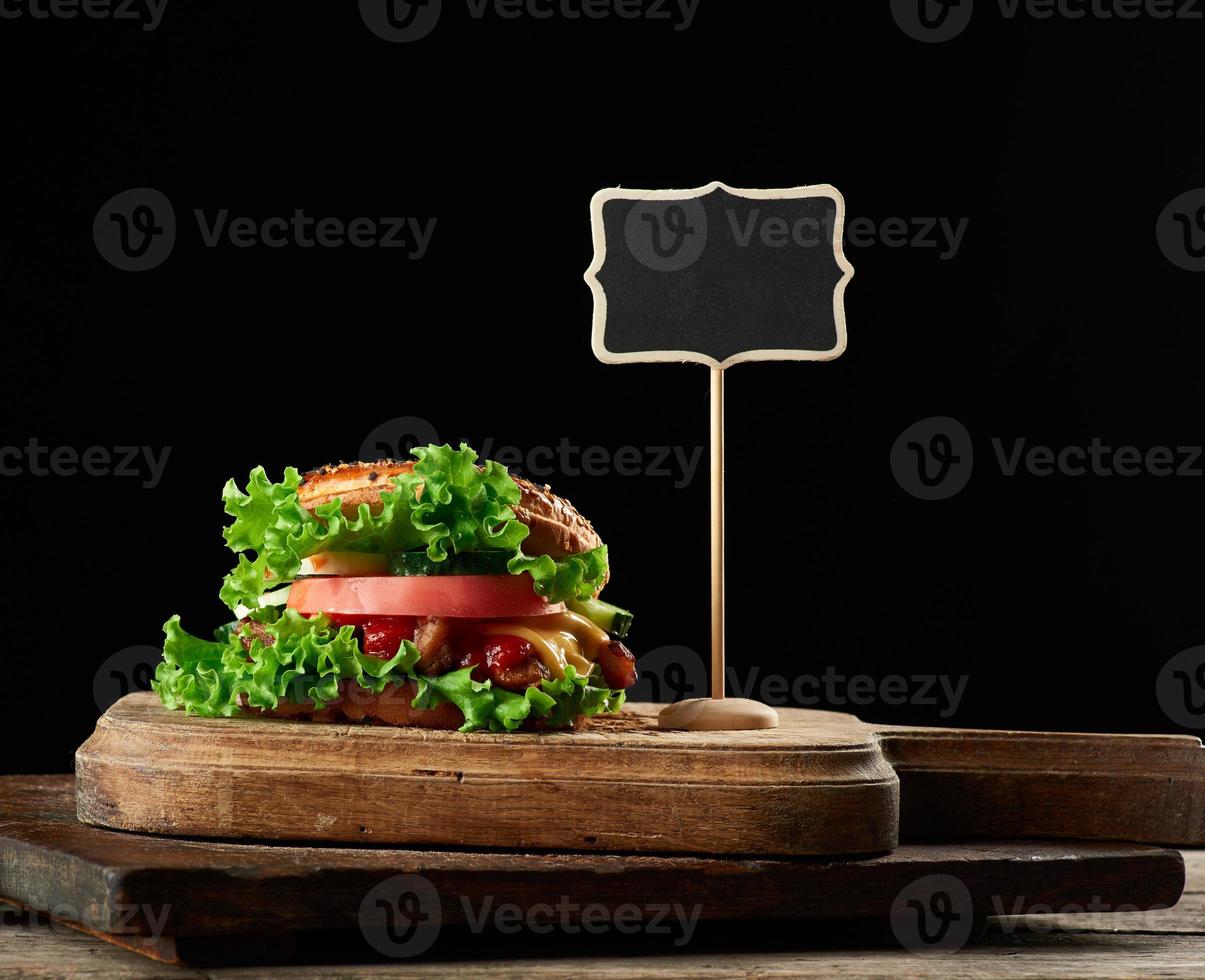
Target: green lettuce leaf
{"x":309,"y":657}
{"x":447,"y":505}
{"x":574,"y":577}
{"x":305,"y":663}
{"x":556,"y":703}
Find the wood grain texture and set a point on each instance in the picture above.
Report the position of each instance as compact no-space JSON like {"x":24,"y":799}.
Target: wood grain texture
{"x":1066,"y":957}
{"x":126,"y":883}
{"x":958,"y":783}
{"x":821,"y":783}
{"x":41,"y":953}
{"x":1169,"y":943}
{"x":621,"y":784}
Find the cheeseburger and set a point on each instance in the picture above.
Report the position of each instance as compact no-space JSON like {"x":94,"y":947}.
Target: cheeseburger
{"x":436,"y":592}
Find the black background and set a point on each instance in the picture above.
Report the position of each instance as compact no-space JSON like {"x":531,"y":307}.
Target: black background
{"x":1058,"y":320}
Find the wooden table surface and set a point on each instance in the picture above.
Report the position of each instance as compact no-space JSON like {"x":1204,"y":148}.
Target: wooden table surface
{"x":1168,"y":943}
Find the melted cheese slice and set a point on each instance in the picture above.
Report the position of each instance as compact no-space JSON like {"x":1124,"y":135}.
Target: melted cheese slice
{"x":559,"y":639}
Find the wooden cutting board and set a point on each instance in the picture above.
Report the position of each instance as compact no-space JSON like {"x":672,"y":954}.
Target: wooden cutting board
{"x":822,"y":783}
{"x":188,"y":900}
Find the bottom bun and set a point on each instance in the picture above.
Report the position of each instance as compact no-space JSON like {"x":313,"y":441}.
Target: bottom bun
{"x":391,"y":707}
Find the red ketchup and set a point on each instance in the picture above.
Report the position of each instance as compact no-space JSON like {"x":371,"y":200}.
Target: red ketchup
{"x":382,"y":635}
{"x":489,"y":656}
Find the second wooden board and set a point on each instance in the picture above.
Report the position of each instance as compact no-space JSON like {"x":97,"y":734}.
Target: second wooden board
{"x":202,"y":901}
{"x":822,"y":783}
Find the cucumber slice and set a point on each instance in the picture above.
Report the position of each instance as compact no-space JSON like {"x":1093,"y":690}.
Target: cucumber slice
{"x":614,"y":620}
{"x":357,"y":564}
{"x":465,"y":563}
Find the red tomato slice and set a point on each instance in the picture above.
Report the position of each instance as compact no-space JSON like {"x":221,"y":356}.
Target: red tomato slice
{"x":466,"y":596}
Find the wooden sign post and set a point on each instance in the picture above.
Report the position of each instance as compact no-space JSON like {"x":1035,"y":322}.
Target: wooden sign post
{"x":717,"y":275}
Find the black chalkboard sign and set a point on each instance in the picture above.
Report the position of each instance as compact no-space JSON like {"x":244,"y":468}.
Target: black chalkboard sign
{"x":718,"y":275}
